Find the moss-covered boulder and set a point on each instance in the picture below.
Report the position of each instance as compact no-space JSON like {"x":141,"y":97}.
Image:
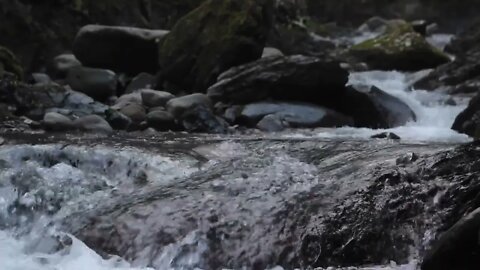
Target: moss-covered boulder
{"x":9,"y":63}
{"x":400,"y":48}
{"x":214,"y":37}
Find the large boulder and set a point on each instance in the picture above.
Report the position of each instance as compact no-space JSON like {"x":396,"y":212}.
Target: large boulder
{"x":468,"y":121}
{"x":9,"y":63}
{"x":31,"y":28}
{"x":295,"y":115}
{"x":457,"y":248}
{"x":399,"y":48}
{"x":296,"y":77}
{"x":122,"y":49}
{"x":371,"y":107}
{"x":216,"y":36}
{"x":96,"y":83}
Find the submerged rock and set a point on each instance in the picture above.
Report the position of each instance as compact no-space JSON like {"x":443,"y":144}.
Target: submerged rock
{"x":386,"y":135}
{"x":96,"y":83}
{"x":299,"y":78}
{"x":212,"y":39}
{"x":122,"y":49}
{"x":400,"y":48}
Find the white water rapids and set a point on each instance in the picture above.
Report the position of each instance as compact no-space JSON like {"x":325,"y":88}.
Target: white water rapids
{"x":435,"y":118}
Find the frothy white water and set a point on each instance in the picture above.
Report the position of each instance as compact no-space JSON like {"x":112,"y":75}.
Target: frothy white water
{"x":435,"y":111}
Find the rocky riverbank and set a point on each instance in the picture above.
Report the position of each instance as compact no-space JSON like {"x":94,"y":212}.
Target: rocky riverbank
{"x":134,"y":71}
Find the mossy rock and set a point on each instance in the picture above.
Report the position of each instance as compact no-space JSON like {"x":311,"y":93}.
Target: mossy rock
{"x":400,"y":48}
{"x":214,"y":37}
{"x":9,"y":63}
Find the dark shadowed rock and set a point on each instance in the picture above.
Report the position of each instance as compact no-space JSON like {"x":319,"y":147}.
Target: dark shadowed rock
{"x":96,"y":83}
{"x":294,"y":115}
{"x":136,"y":112}
{"x":213,"y":38}
{"x":161,"y":120}
{"x":457,"y":248}
{"x":468,"y":121}
{"x":394,"y":110}
{"x":201,"y":119}
{"x":122,"y":49}
{"x":297,"y":77}
{"x":117,"y":120}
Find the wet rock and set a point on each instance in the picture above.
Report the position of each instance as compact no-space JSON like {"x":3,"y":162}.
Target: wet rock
{"x":161,"y":120}
{"x":9,"y":63}
{"x":297,"y":77}
{"x":96,"y":83}
{"x":93,"y":123}
{"x":457,"y":248}
{"x":122,"y":49}
{"x":399,"y":48}
{"x":201,"y":119}
{"x":117,"y":120}
{"x":271,"y":123}
{"x":178,"y":106}
{"x":269,"y":51}
{"x":294,"y":115}
{"x":136,"y":112}
{"x":153,"y":98}
{"x":232,"y":113}
{"x":407,"y":159}
{"x":468,"y":121}
{"x":420,"y":26}
{"x":80,"y":104}
{"x":393,"y":110}
{"x":57,"y":122}
{"x":62,"y":64}
{"x":141,"y":81}
{"x":386,"y":135}
{"x":204,"y":43}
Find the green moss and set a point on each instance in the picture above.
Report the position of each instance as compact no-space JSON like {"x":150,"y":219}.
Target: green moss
{"x":316,"y":27}
{"x":399,"y":48}
{"x":214,"y":37}
{"x":10,"y":63}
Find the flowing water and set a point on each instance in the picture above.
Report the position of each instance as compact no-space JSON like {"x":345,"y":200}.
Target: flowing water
{"x":244,"y":190}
